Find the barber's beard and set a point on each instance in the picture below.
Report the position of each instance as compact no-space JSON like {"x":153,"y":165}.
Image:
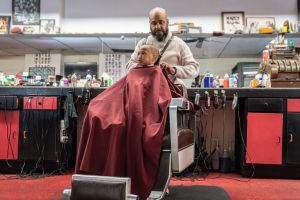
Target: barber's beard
{"x":160,"y":37}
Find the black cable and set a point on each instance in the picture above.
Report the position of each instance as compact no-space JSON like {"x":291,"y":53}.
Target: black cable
{"x":211,"y":132}
{"x":243,"y":141}
{"x":8,"y":135}
{"x":223,"y":129}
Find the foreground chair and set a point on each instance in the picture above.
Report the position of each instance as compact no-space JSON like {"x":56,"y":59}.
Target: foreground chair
{"x":92,"y":187}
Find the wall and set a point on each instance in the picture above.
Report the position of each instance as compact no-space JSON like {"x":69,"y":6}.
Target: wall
{"x":131,"y":15}
{"x":48,"y":10}
{"x":55,"y":61}
{"x":12,"y":64}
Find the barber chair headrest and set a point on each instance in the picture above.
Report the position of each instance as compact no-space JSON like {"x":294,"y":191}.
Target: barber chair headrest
{"x":99,"y":187}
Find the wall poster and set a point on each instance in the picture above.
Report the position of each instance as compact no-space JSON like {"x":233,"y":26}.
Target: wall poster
{"x":4,"y":24}
{"x":26,"y":12}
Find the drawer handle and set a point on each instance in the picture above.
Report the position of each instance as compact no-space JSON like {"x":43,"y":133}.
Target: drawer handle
{"x":278,"y":140}
{"x":266,"y":105}
{"x":291,"y":138}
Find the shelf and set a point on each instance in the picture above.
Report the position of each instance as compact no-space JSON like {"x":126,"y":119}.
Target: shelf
{"x":203,"y":45}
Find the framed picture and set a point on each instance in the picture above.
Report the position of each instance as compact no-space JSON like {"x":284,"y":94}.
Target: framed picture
{"x":26,"y":12}
{"x":47,"y":26}
{"x":28,"y":30}
{"x":232,"y":21}
{"x":4,"y":24}
{"x":255,"y":23}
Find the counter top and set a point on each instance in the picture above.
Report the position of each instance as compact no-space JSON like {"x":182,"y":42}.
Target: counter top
{"x":249,"y":92}
{"x":240,"y":92}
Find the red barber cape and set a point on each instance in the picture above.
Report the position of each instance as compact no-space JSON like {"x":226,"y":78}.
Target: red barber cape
{"x":123,"y":129}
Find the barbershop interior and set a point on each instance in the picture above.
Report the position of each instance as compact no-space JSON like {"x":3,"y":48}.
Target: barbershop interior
{"x":149,"y":100}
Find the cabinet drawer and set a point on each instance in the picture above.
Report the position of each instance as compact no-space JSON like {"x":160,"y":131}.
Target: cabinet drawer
{"x":293,"y":105}
{"x":40,"y":103}
{"x":266,"y":105}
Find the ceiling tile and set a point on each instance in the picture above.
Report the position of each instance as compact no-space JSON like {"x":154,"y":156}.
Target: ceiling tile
{"x":7,"y":42}
{"x":42,"y":43}
{"x":4,"y":53}
{"x":22,"y":51}
{"x":210,"y":47}
{"x":125,"y":43}
{"x":245,"y":47}
{"x":79,"y":42}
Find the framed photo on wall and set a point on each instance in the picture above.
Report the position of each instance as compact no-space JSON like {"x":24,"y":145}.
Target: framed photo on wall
{"x":28,"y":30}
{"x":47,"y":26}
{"x":4,"y":24}
{"x":232,"y":21}
{"x":26,"y":12}
{"x":255,"y":23}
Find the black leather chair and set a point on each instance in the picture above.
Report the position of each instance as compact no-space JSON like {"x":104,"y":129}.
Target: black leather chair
{"x":91,"y":187}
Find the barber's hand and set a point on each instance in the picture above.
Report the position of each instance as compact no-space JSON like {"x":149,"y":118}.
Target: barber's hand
{"x":168,"y":68}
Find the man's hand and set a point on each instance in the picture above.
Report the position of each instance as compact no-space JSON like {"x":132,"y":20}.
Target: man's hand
{"x":168,"y":68}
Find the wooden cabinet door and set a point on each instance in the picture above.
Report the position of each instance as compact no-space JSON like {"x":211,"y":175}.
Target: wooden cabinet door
{"x":264,"y":138}
{"x":9,"y":134}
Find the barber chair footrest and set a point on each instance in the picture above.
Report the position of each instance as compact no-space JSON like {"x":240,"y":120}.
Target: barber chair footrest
{"x":163,"y":177}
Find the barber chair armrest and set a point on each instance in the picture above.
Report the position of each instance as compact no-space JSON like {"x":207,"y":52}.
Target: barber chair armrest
{"x":182,"y":137}
{"x":180,"y":104}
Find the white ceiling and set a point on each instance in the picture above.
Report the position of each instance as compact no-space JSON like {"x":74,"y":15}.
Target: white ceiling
{"x":227,"y":46}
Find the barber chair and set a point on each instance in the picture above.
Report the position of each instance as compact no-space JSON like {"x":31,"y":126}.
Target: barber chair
{"x":178,"y":152}
{"x":92,"y":187}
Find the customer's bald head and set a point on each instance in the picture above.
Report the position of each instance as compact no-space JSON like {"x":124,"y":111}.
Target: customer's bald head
{"x":154,"y":51}
{"x":147,"y":55}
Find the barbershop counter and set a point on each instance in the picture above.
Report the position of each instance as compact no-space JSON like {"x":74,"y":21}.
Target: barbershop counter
{"x":230,"y":92}
{"x":271,"y":116}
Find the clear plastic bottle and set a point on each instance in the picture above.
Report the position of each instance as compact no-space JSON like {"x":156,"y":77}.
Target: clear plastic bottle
{"x":231,"y":81}
{"x":235,"y":82}
{"x":264,"y":80}
{"x":268,"y":83}
{"x":110,"y":81}
{"x":211,"y":81}
{"x":88,"y":75}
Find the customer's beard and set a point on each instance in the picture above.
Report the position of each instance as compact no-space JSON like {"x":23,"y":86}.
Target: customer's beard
{"x":160,"y":37}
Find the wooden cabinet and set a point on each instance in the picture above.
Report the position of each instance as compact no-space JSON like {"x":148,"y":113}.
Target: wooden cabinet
{"x":271,"y":130}
{"x":264,"y":138}
{"x":40,"y":128}
{"x":293,"y":132}
{"x":264,"y":131}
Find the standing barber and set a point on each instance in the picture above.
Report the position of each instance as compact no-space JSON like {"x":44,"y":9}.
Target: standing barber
{"x":176,"y":56}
